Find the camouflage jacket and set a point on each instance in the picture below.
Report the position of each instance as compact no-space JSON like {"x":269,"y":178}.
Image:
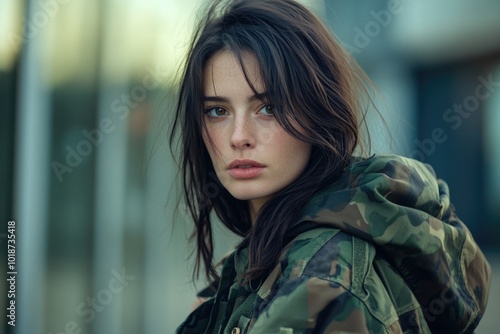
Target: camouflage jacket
{"x":381,"y":251}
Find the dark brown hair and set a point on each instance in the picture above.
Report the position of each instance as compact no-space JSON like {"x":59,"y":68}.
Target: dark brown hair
{"x":309,"y":77}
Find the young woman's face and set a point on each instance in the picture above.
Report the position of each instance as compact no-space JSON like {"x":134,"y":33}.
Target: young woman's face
{"x":253,"y":156}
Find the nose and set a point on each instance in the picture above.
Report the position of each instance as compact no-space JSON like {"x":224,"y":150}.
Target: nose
{"x":243,"y":133}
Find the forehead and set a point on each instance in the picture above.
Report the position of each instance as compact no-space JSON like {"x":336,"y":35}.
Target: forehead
{"x":223,"y":74}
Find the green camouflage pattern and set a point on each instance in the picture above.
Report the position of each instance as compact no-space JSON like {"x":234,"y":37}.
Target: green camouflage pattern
{"x":381,"y":251}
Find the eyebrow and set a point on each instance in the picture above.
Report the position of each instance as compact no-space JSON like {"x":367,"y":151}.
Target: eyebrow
{"x":258,"y":96}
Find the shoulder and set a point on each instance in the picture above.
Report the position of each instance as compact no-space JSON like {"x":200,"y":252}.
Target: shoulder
{"x":328,"y":254}
{"x":331,"y":278}
{"x":309,"y":253}
{"x":301,"y":254}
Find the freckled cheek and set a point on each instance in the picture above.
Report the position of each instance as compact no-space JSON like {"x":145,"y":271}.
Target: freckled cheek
{"x":270,"y":133}
{"x":284,"y":142}
{"x":290,"y":149}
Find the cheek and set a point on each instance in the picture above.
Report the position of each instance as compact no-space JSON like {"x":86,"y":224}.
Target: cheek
{"x":301,"y":152}
{"x":270,"y":133}
{"x":288,"y":149}
{"x":275,"y":135}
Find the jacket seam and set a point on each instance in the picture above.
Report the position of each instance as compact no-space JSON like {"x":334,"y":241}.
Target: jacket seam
{"x":385,"y":325}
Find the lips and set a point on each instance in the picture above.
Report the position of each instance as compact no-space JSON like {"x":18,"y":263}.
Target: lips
{"x":245,"y":169}
{"x":244,"y":163}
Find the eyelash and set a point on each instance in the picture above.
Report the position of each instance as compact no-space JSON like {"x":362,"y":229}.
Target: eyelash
{"x":208,"y":110}
{"x":269,"y":106}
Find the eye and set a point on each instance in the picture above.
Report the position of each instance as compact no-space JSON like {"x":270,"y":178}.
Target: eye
{"x":267,"y":110}
{"x":215,"y":112}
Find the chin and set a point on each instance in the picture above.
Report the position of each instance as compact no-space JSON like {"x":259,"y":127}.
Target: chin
{"x":247,"y":195}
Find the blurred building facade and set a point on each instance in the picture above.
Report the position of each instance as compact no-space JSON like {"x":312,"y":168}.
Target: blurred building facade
{"x":86,"y":88}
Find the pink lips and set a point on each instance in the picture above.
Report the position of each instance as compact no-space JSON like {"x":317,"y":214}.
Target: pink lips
{"x":245,"y":169}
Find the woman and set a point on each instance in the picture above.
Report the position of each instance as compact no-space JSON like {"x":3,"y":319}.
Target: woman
{"x":269,"y":118}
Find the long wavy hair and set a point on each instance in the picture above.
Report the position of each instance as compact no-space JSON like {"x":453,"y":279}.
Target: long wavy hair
{"x":309,"y":78}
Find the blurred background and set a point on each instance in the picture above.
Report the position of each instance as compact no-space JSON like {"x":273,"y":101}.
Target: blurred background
{"x":86,"y":89}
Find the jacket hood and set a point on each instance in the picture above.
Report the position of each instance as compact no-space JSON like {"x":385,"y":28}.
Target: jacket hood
{"x":400,"y":206}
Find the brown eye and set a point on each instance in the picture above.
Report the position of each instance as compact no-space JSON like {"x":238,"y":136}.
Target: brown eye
{"x":267,"y":110}
{"x":215,"y":112}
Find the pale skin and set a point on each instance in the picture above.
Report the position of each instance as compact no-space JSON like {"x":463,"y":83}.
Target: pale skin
{"x":241,"y":125}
